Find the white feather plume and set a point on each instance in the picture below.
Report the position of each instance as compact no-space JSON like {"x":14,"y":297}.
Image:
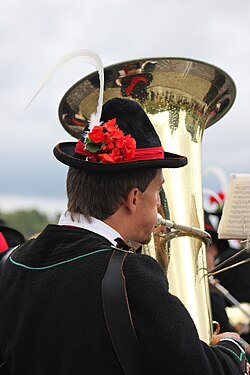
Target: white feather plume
{"x":85,"y":55}
{"x":94,"y":121}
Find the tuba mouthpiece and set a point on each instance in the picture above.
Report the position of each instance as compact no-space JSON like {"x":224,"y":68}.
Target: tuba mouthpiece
{"x":165,"y":222}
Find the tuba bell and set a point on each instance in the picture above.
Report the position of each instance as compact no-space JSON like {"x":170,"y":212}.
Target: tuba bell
{"x":181,"y":97}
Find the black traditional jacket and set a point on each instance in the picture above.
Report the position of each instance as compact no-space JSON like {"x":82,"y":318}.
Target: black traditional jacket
{"x":52,"y":321}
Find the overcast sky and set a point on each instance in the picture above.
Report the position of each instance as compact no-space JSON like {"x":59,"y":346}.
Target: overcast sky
{"x":36,"y":34}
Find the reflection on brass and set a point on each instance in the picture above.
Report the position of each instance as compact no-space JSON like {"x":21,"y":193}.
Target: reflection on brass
{"x":205,"y":92}
{"x":182,"y":97}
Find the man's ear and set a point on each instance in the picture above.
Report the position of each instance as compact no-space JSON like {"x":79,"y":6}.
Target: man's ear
{"x":131,"y":201}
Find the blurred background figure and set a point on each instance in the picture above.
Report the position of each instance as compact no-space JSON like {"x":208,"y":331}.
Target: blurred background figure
{"x":232,"y":284}
{"x":218,"y":302}
{"x":235,"y":280}
{"x":9,"y":237}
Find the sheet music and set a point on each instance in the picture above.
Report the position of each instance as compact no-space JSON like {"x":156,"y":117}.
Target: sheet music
{"x":235,"y":220}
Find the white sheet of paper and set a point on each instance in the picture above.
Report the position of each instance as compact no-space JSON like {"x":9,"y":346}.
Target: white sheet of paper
{"x":235,"y":220}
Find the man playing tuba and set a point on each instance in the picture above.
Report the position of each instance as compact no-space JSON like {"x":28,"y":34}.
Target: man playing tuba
{"x":79,"y":299}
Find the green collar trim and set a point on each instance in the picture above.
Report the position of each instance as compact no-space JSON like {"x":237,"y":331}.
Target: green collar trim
{"x":240,"y":357}
{"x":56,"y":264}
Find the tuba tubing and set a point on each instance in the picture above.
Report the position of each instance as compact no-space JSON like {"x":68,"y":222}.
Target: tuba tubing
{"x":183,"y":230}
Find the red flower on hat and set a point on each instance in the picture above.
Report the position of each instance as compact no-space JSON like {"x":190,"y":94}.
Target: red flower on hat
{"x":106,"y":143}
{"x":96,"y":135}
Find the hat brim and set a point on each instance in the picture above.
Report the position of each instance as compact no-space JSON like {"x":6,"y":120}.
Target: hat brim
{"x":12,"y":236}
{"x":65,"y":153}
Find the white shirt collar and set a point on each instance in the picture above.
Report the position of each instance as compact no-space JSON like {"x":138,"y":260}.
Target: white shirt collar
{"x":96,"y":226}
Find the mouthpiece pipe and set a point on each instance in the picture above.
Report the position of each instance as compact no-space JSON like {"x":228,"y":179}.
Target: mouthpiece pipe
{"x":165,"y":222}
{"x":185,"y":230}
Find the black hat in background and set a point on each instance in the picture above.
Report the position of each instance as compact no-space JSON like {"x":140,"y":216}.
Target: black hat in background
{"x":10,"y":237}
{"x":131,"y":120}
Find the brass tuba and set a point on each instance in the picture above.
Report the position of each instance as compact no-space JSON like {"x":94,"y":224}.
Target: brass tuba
{"x":182,"y":97}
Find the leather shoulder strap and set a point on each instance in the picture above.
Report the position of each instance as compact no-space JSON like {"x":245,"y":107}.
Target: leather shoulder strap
{"x":118,"y":316}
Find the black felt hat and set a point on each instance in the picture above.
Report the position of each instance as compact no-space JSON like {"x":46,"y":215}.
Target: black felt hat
{"x":135,"y":124}
{"x":12,"y":236}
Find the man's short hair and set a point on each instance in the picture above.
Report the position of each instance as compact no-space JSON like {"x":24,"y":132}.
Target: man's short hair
{"x":99,"y":194}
